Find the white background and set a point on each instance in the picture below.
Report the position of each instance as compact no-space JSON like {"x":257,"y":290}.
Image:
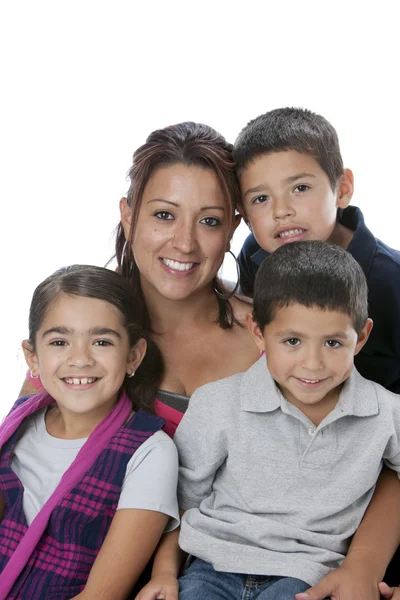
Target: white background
{"x":84,"y":82}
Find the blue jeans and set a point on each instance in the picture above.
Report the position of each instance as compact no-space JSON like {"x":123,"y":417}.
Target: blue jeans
{"x":201,"y":582}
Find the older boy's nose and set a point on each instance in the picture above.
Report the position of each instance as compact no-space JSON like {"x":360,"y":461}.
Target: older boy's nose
{"x":282,"y":208}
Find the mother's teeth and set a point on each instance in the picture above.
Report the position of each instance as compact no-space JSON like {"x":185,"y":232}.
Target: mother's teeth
{"x":311,"y":380}
{"x":178,"y":266}
{"x":290,"y":232}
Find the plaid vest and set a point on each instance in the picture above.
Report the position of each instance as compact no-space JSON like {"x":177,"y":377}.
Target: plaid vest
{"x":59,"y":567}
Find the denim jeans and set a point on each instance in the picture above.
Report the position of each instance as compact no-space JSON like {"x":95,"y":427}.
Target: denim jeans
{"x":201,"y":582}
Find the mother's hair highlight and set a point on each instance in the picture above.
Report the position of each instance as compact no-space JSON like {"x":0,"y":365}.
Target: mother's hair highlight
{"x":191,"y":144}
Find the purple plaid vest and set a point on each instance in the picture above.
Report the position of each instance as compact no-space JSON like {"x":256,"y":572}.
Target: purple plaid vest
{"x":60,"y":565}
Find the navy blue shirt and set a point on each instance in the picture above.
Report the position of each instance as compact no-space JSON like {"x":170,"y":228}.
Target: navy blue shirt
{"x":379,"y":359}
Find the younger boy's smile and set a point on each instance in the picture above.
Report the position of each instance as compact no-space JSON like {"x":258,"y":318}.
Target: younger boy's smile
{"x":310,"y":353}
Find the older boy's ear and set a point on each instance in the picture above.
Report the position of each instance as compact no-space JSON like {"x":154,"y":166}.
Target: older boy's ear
{"x":255,"y":332}
{"x":364,"y":335}
{"x":126,"y":216}
{"x":241,"y":212}
{"x":136,"y":355}
{"x":30,"y":357}
{"x":345,"y":189}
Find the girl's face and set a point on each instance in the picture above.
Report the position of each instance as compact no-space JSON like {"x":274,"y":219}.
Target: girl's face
{"x":83,"y":354}
{"x":182,"y":233}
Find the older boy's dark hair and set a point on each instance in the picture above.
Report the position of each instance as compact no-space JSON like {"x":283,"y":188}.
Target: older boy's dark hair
{"x":313,"y":274}
{"x":291,"y":129}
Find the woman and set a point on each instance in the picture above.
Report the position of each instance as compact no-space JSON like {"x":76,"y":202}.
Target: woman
{"x":176,"y":224}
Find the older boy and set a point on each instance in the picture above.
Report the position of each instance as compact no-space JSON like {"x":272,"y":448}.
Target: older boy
{"x":294,"y":188}
{"x":278,"y":464}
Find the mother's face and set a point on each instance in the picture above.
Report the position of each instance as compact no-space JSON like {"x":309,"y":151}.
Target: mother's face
{"x":183,"y":231}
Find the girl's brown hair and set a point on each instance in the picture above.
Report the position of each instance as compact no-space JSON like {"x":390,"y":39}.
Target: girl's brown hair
{"x":103,"y":284}
{"x":190,"y":144}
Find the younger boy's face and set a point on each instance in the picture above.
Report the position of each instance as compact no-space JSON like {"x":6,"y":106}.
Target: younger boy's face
{"x":287,"y":197}
{"x":310,"y":353}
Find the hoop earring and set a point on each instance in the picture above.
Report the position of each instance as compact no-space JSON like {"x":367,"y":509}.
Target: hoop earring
{"x":123,"y":258}
{"x":131,"y":375}
{"x":33,"y":375}
{"x":227,"y":295}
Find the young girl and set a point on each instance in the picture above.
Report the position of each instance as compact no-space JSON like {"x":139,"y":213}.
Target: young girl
{"x":87,"y":477}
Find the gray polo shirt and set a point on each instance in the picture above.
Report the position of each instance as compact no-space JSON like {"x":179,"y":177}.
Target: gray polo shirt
{"x":267,"y":492}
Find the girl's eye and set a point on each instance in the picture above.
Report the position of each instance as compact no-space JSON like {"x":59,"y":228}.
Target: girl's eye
{"x":332,"y":344}
{"x":102,"y":343}
{"x":302,"y":187}
{"x":211,"y":221}
{"x":58,"y":343}
{"x":164,"y":215}
{"x":259,"y":199}
{"x":292,"y":342}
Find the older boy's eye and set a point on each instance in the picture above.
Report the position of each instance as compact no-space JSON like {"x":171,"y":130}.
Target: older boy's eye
{"x":333,"y":344}
{"x":301,"y":188}
{"x":164,"y":215}
{"x":102,"y":343}
{"x":292,"y":342}
{"x":259,"y":199}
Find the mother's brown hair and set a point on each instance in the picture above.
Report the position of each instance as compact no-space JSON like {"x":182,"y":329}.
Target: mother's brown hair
{"x":190,"y":144}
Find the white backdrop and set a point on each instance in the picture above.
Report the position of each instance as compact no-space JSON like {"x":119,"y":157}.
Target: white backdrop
{"x":83,"y":82}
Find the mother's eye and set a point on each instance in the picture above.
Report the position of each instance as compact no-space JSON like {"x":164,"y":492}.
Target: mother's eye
{"x":164,"y":215}
{"x":211,"y":221}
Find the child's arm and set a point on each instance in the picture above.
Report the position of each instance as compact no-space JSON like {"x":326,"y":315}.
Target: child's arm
{"x":166,"y":566}
{"x":200,"y":439}
{"x":370,"y":552}
{"x":147,"y":500}
{"x":127,"y":548}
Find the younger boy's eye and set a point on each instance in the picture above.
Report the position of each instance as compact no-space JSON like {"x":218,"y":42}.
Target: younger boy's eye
{"x":102,"y":343}
{"x":292,"y":342}
{"x":260,"y":199}
{"x":302,"y":187}
{"x":332,"y":344}
{"x":59,"y":343}
{"x":211,"y":221}
{"x":164,"y":215}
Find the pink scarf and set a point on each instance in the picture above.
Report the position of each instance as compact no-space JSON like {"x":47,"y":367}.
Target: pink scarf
{"x":85,"y":458}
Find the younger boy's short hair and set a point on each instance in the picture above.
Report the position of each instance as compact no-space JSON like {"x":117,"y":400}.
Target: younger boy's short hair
{"x":313,"y":274}
{"x":288,"y":128}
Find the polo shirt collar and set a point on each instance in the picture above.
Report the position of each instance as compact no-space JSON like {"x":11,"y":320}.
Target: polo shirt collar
{"x":358,"y":396}
{"x":363,"y":244}
{"x":259,"y":393}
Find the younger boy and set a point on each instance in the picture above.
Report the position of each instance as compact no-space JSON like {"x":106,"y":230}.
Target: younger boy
{"x":294,"y":188}
{"x":278,"y":464}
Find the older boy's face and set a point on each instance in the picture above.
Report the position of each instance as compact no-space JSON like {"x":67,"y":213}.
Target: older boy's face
{"x":287,"y":197}
{"x":310,"y":353}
